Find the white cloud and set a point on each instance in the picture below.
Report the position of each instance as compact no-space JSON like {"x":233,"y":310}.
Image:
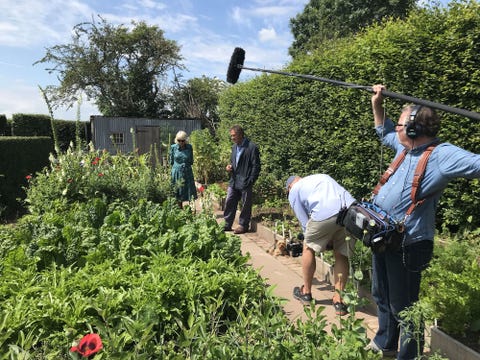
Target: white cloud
{"x":150,"y":4}
{"x":206,"y":30}
{"x":31,"y":22}
{"x":272,"y":11}
{"x":22,"y":98}
{"x":267,"y":34}
{"x":240,"y":16}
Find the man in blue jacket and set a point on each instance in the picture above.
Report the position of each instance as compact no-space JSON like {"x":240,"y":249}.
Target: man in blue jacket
{"x":244,"y":169}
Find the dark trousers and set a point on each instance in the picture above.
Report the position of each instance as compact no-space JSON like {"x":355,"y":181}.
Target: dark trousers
{"x":231,"y":204}
{"x":396,"y":286}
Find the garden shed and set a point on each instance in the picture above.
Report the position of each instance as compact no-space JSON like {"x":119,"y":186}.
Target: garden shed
{"x":119,"y":134}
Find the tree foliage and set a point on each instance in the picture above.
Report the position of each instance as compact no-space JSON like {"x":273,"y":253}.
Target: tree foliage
{"x":120,"y":69}
{"x":330,"y":19}
{"x":198,"y":99}
{"x":304,"y":127}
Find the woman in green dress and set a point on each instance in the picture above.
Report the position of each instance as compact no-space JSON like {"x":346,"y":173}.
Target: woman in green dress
{"x":181,"y":160}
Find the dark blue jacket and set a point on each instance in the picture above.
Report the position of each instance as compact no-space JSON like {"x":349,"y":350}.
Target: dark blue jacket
{"x":246,"y":172}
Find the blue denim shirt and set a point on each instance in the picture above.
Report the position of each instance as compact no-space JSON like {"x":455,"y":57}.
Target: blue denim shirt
{"x":446,"y":163}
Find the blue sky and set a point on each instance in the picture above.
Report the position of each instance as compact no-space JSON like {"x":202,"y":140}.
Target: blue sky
{"x":206,"y":30}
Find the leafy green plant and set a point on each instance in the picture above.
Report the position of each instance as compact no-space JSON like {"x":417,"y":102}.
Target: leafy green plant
{"x":412,"y":320}
{"x":216,"y":191}
{"x":210,"y":158}
{"x":451,"y":285}
{"x":77,"y":177}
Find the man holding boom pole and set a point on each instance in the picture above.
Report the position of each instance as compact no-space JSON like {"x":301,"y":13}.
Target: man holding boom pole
{"x":397,"y":272}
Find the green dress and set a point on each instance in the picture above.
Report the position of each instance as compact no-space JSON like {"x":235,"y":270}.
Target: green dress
{"x":183,"y":182}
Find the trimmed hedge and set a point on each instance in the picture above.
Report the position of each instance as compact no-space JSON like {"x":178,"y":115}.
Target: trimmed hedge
{"x":4,"y":127}
{"x":40,"y":125}
{"x":305,"y":127}
{"x":19,"y":158}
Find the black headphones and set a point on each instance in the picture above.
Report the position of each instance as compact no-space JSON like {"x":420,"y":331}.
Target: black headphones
{"x":414,"y":130}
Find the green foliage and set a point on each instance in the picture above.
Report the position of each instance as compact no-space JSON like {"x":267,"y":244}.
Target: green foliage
{"x":198,"y":99}
{"x":77,"y":177}
{"x":209,"y":157}
{"x":216,"y":191}
{"x":120,"y":68}
{"x":40,"y":125}
{"x":412,"y":320}
{"x":5,"y":129}
{"x":138,"y":309}
{"x":152,"y":280}
{"x":268,"y":189}
{"x":323,"y":20}
{"x":120,"y":286}
{"x":67,"y":133}
{"x":213,"y":310}
{"x":20,"y":158}
{"x":304,"y":127}
{"x":451,"y":285}
{"x":31,"y":125}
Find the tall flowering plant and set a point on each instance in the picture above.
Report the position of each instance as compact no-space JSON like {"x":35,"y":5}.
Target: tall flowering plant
{"x":79,"y":176}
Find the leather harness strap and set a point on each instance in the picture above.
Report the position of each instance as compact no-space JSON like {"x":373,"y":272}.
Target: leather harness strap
{"x":391,"y":169}
{"x":417,"y":177}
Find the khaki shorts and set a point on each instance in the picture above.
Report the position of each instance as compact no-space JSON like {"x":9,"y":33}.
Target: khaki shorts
{"x":320,"y":234}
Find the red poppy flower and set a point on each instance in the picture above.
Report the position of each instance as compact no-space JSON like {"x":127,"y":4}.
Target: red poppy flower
{"x":100,"y":174}
{"x":28,"y":177}
{"x":199,"y":187}
{"x":88,"y":345}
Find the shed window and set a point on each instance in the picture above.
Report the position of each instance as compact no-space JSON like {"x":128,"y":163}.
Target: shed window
{"x":117,"y":138}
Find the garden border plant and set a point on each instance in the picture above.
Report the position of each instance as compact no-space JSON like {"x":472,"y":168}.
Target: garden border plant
{"x":93,"y":258}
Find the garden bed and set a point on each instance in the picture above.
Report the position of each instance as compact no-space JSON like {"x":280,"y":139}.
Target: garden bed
{"x":465,"y":349}
{"x":274,"y":223}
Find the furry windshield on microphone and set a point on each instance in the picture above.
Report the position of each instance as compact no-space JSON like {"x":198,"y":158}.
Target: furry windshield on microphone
{"x":235,"y":66}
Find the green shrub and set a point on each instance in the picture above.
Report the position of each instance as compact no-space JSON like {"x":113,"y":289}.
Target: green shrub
{"x":209,"y":159}
{"x":31,"y":125}
{"x":4,"y":127}
{"x":20,"y":159}
{"x":76,"y":177}
{"x":451,"y":286}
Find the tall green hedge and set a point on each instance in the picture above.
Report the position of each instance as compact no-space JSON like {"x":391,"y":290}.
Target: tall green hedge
{"x":4,"y":127}
{"x":41,"y":125}
{"x":304,"y":126}
{"x":31,"y":125}
{"x":20,"y":157}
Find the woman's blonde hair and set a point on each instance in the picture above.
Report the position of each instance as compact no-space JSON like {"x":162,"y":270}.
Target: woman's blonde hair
{"x":181,"y":135}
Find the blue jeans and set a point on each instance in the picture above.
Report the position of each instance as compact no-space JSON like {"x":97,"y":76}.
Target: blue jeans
{"x":396,"y":286}
{"x":231,"y":205}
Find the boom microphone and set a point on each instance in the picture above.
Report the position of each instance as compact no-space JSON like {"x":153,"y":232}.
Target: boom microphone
{"x":238,"y":58}
{"x":236,"y":65}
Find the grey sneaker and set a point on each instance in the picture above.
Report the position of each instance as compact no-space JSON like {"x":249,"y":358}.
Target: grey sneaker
{"x":374,"y":347}
{"x":305,"y":299}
